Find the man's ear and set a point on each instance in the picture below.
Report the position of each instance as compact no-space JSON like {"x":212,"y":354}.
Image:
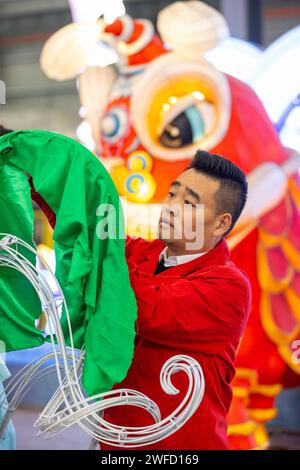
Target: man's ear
{"x":223,"y":223}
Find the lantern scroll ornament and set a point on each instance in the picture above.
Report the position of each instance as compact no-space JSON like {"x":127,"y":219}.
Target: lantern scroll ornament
{"x":69,"y":404}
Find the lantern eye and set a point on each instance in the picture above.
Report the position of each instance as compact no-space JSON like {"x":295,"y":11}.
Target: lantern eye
{"x":189,"y":126}
{"x":180,"y":105}
{"x":114,"y":124}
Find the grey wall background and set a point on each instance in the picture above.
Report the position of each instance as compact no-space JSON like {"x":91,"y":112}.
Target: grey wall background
{"x":33,"y":101}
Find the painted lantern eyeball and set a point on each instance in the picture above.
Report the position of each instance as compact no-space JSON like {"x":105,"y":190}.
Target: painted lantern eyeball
{"x":188,"y":121}
{"x":114,"y":124}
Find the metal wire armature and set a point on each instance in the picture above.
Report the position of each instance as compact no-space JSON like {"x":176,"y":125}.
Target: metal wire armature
{"x":69,"y":405}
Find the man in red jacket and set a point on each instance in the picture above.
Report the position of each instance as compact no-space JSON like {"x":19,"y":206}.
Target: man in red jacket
{"x":191,"y":300}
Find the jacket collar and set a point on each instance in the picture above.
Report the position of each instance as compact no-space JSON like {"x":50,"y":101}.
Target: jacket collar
{"x":219,"y":255}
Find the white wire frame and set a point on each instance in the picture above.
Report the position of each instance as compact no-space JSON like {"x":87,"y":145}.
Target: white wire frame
{"x":69,"y":405}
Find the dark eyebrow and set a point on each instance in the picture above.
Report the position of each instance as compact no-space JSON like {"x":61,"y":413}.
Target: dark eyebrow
{"x":193,"y":194}
{"x":188,"y":190}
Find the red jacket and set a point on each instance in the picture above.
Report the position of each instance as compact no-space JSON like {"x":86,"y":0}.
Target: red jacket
{"x":199,"y":308}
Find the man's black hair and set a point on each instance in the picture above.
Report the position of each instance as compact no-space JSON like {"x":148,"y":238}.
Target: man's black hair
{"x":232,"y":194}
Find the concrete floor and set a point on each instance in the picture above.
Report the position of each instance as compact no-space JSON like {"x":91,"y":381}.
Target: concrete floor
{"x":71,"y":439}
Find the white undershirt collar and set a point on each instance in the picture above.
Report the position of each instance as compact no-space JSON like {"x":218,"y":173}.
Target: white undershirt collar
{"x":176,"y":260}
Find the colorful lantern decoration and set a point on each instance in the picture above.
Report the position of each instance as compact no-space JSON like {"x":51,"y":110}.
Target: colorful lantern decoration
{"x":167,"y":101}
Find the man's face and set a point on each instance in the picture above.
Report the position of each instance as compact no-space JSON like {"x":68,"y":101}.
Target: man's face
{"x":188,"y":220}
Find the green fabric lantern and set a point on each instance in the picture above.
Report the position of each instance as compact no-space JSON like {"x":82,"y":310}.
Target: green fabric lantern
{"x":92,"y":271}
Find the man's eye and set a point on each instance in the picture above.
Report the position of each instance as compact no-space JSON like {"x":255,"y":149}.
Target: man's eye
{"x":189,"y":203}
{"x":171,"y":194}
